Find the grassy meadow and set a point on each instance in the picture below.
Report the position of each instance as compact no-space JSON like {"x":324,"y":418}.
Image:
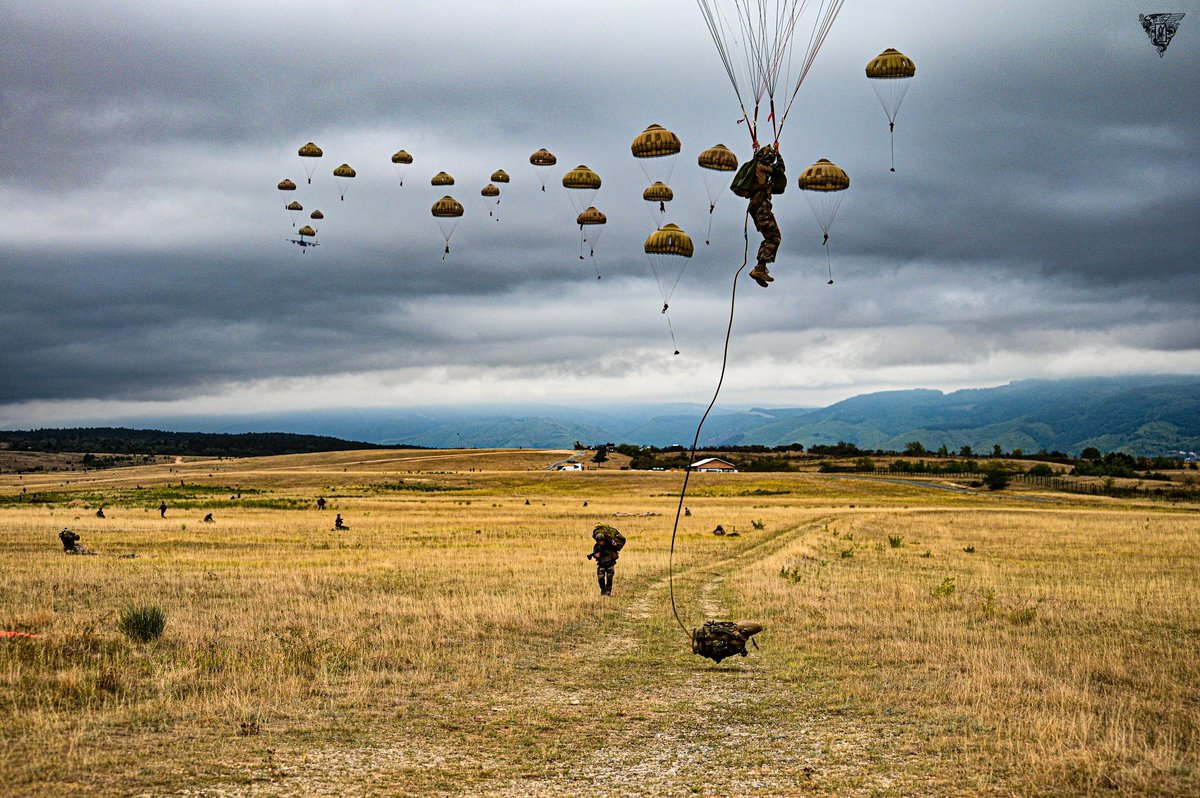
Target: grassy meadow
{"x":453,"y":641}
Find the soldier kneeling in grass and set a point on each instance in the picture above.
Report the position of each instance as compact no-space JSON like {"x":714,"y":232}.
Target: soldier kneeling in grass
{"x":608,"y":542}
{"x":71,"y":544}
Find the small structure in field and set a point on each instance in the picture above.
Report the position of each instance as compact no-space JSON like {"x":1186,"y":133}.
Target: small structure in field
{"x":714,"y":465}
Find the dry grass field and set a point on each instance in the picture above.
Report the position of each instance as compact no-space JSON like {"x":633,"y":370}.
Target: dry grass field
{"x":918,"y":642}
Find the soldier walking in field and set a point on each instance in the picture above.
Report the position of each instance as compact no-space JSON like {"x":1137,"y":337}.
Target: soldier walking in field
{"x":162,"y":509}
{"x":605,"y":551}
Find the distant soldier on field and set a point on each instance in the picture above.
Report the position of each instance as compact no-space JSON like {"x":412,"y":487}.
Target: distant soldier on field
{"x":321,"y":503}
{"x":100,"y":512}
{"x":162,"y":509}
{"x":605,"y":551}
{"x":208,"y":519}
{"x":338,"y":523}
{"x":71,"y":544}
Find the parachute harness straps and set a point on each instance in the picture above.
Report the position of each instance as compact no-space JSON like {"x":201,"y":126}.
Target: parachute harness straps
{"x":687,"y":472}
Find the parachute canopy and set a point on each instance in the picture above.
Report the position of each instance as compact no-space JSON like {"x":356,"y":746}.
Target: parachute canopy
{"x":658,"y":192}
{"x":824,"y":175}
{"x":307,"y":231}
{"x":655,"y":142}
{"x":669,"y":240}
{"x":591,"y":216}
{"x":343,"y":175}
{"x":490,"y":191}
{"x":442,"y":179}
{"x":890,"y":72}
{"x":891,"y":64}
{"x":447,"y":208}
{"x":286,"y":185}
{"x":581,"y":178}
{"x":316,"y":215}
{"x":718,"y":158}
{"x":295,"y":206}
{"x":309,"y":150}
{"x":543,"y":157}
{"x":500,"y":176}
{"x":401,"y":160}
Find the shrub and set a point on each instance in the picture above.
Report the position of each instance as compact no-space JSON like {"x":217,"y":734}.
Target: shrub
{"x":946,"y":588}
{"x":895,"y":541}
{"x":143,"y":624}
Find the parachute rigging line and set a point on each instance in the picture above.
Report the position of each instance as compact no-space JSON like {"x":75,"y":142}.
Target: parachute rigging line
{"x":687,"y":472}
{"x":755,"y":44}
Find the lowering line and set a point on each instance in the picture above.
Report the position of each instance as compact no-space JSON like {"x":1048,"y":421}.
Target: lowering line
{"x":687,"y":472}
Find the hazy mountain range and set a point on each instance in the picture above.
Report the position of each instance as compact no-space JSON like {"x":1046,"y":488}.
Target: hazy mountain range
{"x":1138,"y":415}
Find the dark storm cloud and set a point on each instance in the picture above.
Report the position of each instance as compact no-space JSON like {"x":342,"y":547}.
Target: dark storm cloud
{"x":1045,"y":197}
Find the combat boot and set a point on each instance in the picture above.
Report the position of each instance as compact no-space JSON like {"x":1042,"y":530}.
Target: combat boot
{"x":760,"y":275}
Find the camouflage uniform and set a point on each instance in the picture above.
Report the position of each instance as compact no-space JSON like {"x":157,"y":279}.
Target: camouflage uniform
{"x":69,"y":539}
{"x":764,"y":219}
{"x":720,"y":639}
{"x":757,"y":180}
{"x":605,"y":552}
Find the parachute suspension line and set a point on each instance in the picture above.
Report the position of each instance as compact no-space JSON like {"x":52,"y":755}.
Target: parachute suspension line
{"x":892,"y":136}
{"x":708,"y":235}
{"x":670,"y":329}
{"x":828,"y":261}
{"x":581,"y":240}
{"x":821,"y":28}
{"x":687,"y":472}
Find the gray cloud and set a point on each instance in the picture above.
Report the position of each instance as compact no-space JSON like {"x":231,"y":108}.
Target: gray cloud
{"x":1045,"y":197}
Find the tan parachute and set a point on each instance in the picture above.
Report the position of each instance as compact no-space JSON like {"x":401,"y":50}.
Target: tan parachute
{"x":401,"y":160}
{"x":343,"y":175}
{"x":447,"y":211}
{"x":309,"y":153}
{"x":716,"y":162}
{"x":593,"y":220}
{"x":441,"y":179}
{"x":890,"y":73}
{"x":658,"y":195}
{"x":669,"y":250}
{"x":655,"y":149}
{"x":823,"y":184}
{"x":581,"y":184}
{"x":542,"y":160}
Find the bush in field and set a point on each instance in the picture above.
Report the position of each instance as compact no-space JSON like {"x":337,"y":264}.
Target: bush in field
{"x":143,"y":624}
{"x":996,"y":477}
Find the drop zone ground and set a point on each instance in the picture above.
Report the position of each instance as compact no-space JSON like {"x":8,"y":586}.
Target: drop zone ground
{"x":453,"y":642}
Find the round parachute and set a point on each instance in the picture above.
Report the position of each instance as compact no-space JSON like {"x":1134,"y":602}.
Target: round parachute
{"x":500,"y":176}
{"x":823,"y":184}
{"x":591,"y":216}
{"x":669,"y":241}
{"x":716,"y":161}
{"x":316,"y":215}
{"x":582,"y":184}
{"x":309,"y":150}
{"x":658,"y":195}
{"x":286,"y":185}
{"x":593,"y":220}
{"x":489,"y":191}
{"x":656,"y":149}
{"x":343,"y":175}
{"x":655,"y":142}
{"x":542,"y":159}
{"x":824,"y":175}
{"x":307,"y":231}
{"x":891,"y":64}
{"x":295,"y":206}
{"x":401,"y":160}
{"x":718,"y":158}
{"x":442,"y":179}
{"x":659,"y":192}
{"x":447,"y":211}
{"x":890,"y":72}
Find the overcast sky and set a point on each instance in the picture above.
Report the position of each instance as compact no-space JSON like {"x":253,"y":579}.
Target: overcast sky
{"x":1042,"y":220}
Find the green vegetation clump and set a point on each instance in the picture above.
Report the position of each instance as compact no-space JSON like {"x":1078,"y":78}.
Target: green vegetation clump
{"x":142,"y":623}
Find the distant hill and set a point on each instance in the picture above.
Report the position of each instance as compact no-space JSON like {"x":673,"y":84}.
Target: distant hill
{"x":120,"y":440}
{"x":1143,"y":416}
